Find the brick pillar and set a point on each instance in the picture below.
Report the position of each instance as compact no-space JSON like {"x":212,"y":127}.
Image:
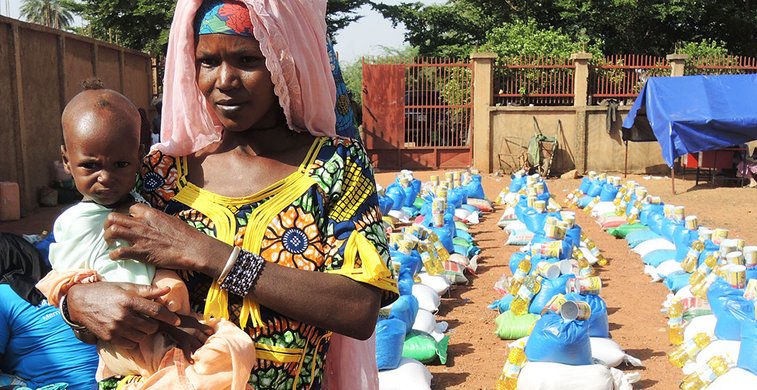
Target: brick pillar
{"x":677,"y":64}
{"x":482,"y":101}
{"x":580,"y":101}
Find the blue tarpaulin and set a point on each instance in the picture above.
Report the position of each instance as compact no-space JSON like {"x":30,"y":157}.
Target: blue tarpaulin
{"x":694,"y":113}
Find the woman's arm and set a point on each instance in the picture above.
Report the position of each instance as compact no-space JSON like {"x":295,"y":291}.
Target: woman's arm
{"x":121,"y":313}
{"x":328,"y":301}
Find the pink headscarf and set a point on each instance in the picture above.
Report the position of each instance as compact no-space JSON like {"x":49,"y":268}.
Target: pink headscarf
{"x":292,"y":36}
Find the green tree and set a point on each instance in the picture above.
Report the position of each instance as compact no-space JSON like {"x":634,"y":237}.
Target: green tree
{"x":340,"y":13}
{"x":144,"y":24}
{"x":618,"y":26}
{"x":51,"y":13}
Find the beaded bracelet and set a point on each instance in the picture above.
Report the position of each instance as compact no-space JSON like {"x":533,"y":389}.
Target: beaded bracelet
{"x":229,"y":263}
{"x":245,"y":272}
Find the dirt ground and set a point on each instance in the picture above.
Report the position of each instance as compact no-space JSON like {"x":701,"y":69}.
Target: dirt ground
{"x":476,"y":354}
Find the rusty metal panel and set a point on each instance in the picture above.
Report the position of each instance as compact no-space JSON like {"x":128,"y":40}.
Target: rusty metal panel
{"x":413,"y":110}
{"x":623,"y":76}
{"x":537,"y":80}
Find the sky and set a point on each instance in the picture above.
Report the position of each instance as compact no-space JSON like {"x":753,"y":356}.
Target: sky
{"x":364,"y":37}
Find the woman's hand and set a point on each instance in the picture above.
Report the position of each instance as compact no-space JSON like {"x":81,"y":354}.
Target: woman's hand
{"x":120,"y":313}
{"x":164,"y":241}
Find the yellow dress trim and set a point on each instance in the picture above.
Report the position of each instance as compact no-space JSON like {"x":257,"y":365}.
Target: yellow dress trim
{"x":372,"y":271}
{"x":278,"y":354}
{"x":216,"y":208}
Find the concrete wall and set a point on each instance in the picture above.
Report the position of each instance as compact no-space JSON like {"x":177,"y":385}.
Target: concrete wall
{"x":513,"y":127}
{"x":41,"y":69}
{"x":584,"y":142}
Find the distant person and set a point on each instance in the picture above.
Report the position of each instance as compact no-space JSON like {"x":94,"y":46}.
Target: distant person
{"x":37,"y":348}
{"x":747,"y":168}
{"x":101,"y":134}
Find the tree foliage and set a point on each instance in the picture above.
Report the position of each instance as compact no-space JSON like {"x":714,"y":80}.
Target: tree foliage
{"x":144,"y":24}
{"x":51,"y":13}
{"x":615,"y":26}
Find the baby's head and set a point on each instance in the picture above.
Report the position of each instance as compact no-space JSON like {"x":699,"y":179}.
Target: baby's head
{"x":101,"y":144}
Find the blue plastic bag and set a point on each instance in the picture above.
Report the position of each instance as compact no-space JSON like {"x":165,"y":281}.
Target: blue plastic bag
{"x":390,"y":337}
{"x":554,"y":340}
{"x":397,"y":194}
{"x":636,"y":237}
{"x":584,"y":201}
{"x":585,"y":185}
{"x":503,"y":304}
{"x":517,"y":183}
{"x":748,"y":350}
{"x":549,"y":288}
{"x":474,"y":189}
{"x":676,"y":281}
{"x":608,"y":193}
{"x":599,"y":324}
{"x":515,"y":259}
{"x":595,"y":189}
{"x":730,"y":308}
{"x":659,"y":256}
{"x":405,"y":309}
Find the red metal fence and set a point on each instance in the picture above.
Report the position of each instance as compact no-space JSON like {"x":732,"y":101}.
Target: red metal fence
{"x":721,"y":65}
{"x":623,"y":76}
{"x":536,"y":80}
{"x":432,"y":96}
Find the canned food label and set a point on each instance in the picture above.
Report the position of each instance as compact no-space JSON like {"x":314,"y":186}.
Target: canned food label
{"x":750,"y":292}
{"x":554,"y":304}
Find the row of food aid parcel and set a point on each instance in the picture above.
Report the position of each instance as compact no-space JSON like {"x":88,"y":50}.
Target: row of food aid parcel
{"x":431,"y":250}
{"x":712,"y":280}
{"x":551,"y":305}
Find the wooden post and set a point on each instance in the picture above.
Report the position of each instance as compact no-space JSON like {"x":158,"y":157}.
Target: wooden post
{"x":625,"y":165}
{"x":17,"y":90}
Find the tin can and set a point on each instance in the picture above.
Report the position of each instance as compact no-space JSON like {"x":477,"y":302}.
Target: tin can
{"x":679,"y":213}
{"x":548,"y":270}
{"x":727,"y":246}
{"x":434,"y":179}
{"x":417,"y":230}
{"x":540,"y":206}
{"x":566,"y":267}
{"x":449,"y":176}
{"x":539,"y":187}
{"x":750,"y":256}
{"x":395,"y":237}
{"x":584,"y":286}
{"x":735,"y":275}
{"x":530,"y":200}
{"x":735,"y":257}
{"x":549,"y":249}
{"x":739,"y":243}
{"x":572,"y":310}
{"x":750,"y":291}
{"x":641,"y":193}
{"x":718,"y":235}
{"x":667,"y":211}
{"x":569,"y":217}
{"x":655,"y":200}
{"x":441,"y":191}
{"x":705,"y":234}
{"x":692,"y":223}
{"x":550,"y":230}
{"x":554,"y":304}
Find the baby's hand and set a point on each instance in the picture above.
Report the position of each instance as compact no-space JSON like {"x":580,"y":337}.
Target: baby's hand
{"x":189,"y":336}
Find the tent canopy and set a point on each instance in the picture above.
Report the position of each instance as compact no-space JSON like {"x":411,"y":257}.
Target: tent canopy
{"x":694,"y":113}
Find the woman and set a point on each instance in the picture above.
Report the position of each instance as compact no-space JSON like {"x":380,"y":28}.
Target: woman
{"x":747,"y":167}
{"x":278,"y":223}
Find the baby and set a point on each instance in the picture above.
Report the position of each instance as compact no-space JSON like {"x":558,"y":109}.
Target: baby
{"x":102,"y":152}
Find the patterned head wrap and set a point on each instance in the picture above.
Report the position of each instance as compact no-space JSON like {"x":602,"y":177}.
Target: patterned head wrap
{"x":292,"y":37}
{"x":228,"y":17}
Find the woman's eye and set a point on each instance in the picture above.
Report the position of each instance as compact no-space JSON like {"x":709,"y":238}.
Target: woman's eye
{"x":207,"y":62}
{"x":250,"y":60}
{"x":122,"y":164}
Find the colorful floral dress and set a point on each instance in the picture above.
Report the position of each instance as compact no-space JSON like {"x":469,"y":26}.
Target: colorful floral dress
{"x":324,"y":217}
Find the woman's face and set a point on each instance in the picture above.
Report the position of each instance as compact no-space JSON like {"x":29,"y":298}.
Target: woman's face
{"x":231,"y":73}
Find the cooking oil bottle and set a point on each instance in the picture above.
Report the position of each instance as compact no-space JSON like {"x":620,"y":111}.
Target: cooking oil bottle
{"x":715,"y":367}
{"x":524,"y":267}
{"x":675,"y":322}
{"x":689,"y":263}
{"x":689,"y":350}
{"x":516,"y":358}
{"x":530,"y":287}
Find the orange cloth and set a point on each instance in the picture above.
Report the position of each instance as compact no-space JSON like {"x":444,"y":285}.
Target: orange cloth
{"x":223,"y":362}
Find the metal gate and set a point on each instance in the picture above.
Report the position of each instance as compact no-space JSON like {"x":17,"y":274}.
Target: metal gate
{"x":418,"y":115}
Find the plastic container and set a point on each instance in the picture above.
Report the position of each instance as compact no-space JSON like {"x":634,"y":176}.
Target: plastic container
{"x":10,"y":201}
